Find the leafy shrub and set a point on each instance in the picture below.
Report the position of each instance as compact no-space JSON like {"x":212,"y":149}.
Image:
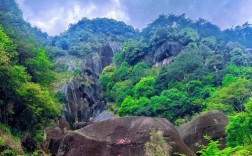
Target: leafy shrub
{"x":157,"y":146}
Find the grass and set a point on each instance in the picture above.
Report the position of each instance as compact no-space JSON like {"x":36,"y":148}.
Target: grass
{"x":8,"y":131}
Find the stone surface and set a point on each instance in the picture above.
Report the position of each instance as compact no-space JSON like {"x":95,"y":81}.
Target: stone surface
{"x":163,"y":54}
{"x":101,"y":117}
{"x":83,"y":94}
{"x":212,"y":124}
{"x":84,"y":99}
{"x":53,"y":140}
{"x":118,"y":136}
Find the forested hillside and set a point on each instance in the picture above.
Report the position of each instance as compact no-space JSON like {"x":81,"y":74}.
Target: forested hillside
{"x":27,"y":105}
{"x":175,"y":68}
{"x":180,"y":68}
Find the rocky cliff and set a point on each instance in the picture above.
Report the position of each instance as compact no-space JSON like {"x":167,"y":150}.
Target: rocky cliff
{"x":83,"y":94}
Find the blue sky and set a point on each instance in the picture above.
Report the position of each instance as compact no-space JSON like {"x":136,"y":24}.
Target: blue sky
{"x":54,"y":16}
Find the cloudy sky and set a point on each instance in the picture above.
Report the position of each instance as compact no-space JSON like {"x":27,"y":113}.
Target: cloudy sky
{"x":54,"y":16}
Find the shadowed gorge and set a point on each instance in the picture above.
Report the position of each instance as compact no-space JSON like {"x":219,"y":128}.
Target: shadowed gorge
{"x":105,"y":88}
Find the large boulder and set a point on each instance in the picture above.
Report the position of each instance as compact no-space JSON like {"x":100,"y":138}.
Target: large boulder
{"x":118,"y":136}
{"x":212,"y":124}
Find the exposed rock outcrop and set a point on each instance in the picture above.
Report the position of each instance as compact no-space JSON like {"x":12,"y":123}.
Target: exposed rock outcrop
{"x":96,"y":62}
{"x":164,"y":54}
{"x":84,"y":100}
{"x":118,"y":136}
{"x":212,"y":124}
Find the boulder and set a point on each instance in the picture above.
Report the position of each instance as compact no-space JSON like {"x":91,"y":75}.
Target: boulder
{"x":53,"y":139}
{"x":101,"y":117}
{"x":212,"y":124}
{"x":118,"y":136}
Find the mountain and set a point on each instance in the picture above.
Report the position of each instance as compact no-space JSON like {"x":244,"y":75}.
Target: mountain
{"x":175,"y":68}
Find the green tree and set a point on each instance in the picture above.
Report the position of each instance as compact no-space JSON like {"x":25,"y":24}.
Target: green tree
{"x":232,"y":97}
{"x":239,"y":129}
{"x":238,"y":57}
{"x":145,"y":87}
{"x":209,"y":41}
{"x":41,"y":107}
{"x":41,"y":68}
{"x":132,"y":52}
{"x":228,"y":79}
{"x":188,"y":60}
{"x":121,"y":90}
{"x":188,"y":35}
{"x":213,"y":149}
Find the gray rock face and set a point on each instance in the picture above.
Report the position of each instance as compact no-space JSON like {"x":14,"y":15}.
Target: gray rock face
{"x":164,"y":54}
{"x":84,"y":100}
{"x":97,"y":62}
{"x":106,"y":56}
{"x":118,"y":136}
{"x":101,"y":117}
{"x":212,"y":124}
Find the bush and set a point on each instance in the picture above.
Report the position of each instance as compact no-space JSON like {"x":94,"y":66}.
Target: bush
{"x":157,"y":146}
{"x":9,"y":152}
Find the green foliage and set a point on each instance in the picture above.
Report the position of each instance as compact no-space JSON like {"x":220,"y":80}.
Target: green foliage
{"x":8,"y":152}
{"x":132,"y":52}
{"x":209,"y":41}
{"x":239,"y":129}
{"x":145,"y":87}
{"x":228,"y":79}
{"x":5,"y":128}
{"x":90,"y":36}
{"x":187,"y":35}
{"x":41,"y":68}
{"x":39,"y":137}
{"x":135,"y":107}
{"x":25,"y":105}
{"x":140,"y":70}
{"x":121,"y":90}
{"x":231,"y":97}
{"x":186,"y":62}
{"x":213,"y":149}
{"x":238,"y":57}
{"x":41,"y":107}
{"x":123,"y":72}
{"x":207,"y":73}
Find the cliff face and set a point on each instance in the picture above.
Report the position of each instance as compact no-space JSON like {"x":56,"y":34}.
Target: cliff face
{"x":164,"y":54}
{"x":84,"y":99}
{"x":83,"y":94}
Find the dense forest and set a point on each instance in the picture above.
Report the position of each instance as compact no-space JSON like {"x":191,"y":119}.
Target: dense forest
{"x":203,"y":68}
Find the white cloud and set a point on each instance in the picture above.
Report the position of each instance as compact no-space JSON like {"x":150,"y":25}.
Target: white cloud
{"x":55,"y":19}
{"x":54,"y":16}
